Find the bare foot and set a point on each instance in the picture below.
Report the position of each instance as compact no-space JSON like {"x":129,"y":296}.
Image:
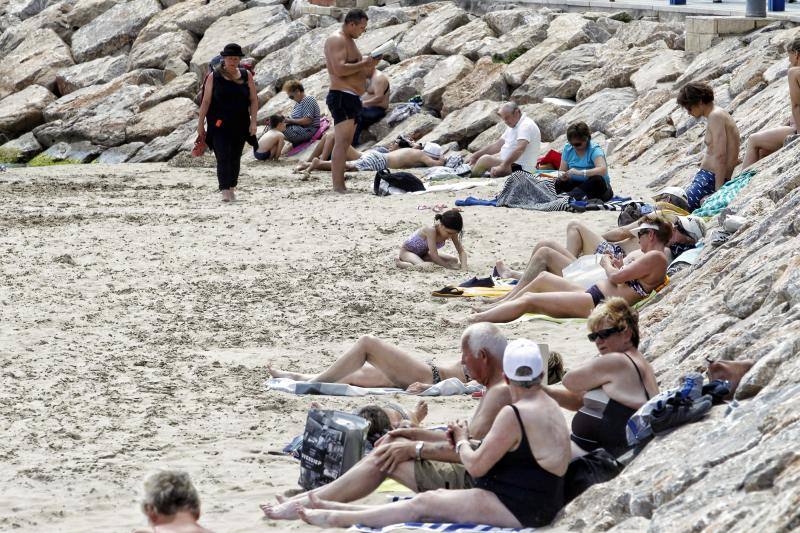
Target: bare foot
{"x":314,"y":165}
{"x":277,"y":373}
{"x":502,"y":270}
{"x":315,"y":517}
{"x":421,"y":410}
{"x":226,"y":195}
{"x":233,"y":195}
{"x":283,"y":511}
{"x":302,"y":165}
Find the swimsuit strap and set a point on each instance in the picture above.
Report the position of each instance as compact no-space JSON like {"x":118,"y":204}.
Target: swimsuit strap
{"x":638,"y":374}
{"x":521,"y":426}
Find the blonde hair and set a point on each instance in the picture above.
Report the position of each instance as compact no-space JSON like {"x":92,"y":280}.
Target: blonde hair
{"x":619,"y":314}
{"x":292,"y":86}
{"x":169,"y":491}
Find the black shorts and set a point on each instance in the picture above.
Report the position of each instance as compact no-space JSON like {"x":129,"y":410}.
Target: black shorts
{"x":343,"y":106}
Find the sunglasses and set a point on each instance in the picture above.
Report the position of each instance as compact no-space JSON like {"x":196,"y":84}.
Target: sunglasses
{"x":644,"y":232}
{"x":579,"y":144}
{"x":604,"y":333}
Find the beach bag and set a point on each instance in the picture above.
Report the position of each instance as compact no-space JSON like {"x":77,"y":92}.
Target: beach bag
{"x":633,"y":211}
{"x":387,"y":183}
{"x":333,"y":442}
{"x":597,"y":466}
{"x":585,"y":271}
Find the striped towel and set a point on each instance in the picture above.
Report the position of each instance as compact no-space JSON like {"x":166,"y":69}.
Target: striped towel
{"x":372,"y":160}
{"x":442,"y":528}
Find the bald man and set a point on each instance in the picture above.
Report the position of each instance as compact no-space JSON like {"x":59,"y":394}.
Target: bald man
{"x":516,"y":149}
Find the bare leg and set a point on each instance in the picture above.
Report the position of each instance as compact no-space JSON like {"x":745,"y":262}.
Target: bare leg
{"x":504,"y":271}
{"x":581,"y":240}
{"x":543,"y":259}
{"x":765,"y":142}
{"x":420,"y":412}
{"x":485,"y":162}
{"x":555,"y":304}
{"x":279,"y":148}
{"x":268,"y":142}
{"x":406,"y":259}
{"x":470,"y":505}
{"x":343,"y":136}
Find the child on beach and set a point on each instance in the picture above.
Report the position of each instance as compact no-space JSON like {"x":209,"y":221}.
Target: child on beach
{"x":270,"y":145}
{"x":424,"y":244}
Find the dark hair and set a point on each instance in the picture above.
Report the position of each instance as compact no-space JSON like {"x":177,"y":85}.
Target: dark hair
{"x":292,"y":86}
{"x":794,"y":45}
{"x":617,"y":312}
{"x":451,"y":220}
{"x":355,"y":16}
{"x":694,"y":93}
{"x":379,"y":423}
{"x":274,"y":120}
{"x":579,"y":130}
{"x":664,"y":231}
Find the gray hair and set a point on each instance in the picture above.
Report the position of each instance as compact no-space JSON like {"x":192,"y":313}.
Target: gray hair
{"x":526,"y":371}
{"x":509,"y":107}
{"x":169,"y":491}
{"x":485,"y":336}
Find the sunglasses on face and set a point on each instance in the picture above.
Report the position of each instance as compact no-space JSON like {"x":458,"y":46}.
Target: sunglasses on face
{"x":644,"y":232}
{"x":604,"y":333}
{"x":578,"y":144}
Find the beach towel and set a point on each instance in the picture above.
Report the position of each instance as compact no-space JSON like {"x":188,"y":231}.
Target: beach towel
{"x":471,"y":200}
{"x":372,"y":160}
{"x":535,"y":316}
{"x":617,"y":203}
{"x":719,"y":200}
{"x":460,"y":186}
{"x":442,"y":527}
{"x":526,"y":191}
{"x":324,"y":124}
{"x":473,"y":292}
{"x":447,"y":387}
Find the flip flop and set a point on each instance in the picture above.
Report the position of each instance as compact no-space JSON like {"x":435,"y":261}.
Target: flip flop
{"x":448,"y":292}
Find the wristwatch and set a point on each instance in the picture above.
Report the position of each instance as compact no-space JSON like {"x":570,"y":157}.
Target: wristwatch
{"x":418,"y":449}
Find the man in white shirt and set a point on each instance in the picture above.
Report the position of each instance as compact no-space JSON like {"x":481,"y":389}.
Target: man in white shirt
{"x":517,"y":148}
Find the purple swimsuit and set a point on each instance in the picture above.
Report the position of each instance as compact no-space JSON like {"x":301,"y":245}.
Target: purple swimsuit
{"x":418,"y":244}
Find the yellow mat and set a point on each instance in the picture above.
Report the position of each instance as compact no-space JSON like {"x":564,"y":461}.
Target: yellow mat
{"x":390,"y":485}
{"x":472,"y":292}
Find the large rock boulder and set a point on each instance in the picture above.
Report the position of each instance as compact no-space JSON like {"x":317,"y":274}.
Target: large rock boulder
{"x":619,"y":64}
{"x":560,"y":76}
{"x":643,"y":32}
{"x":415,"y":127}
{"x":652,"y":125}
{"x":163,"y":148}
{"x":100,"y":70}
{"x":447,"y":73}
{"x":372,"y":39}
{"x":380,"y":17}
{"x":281,"y":37}
{"x":20,"y":150}
{"x":54,"y":17}
{"x":487,"y":137}
{"x":407,"y":77}
{"x":665,"y":67}
{"x":598,"y":110}
{"x":157,"y":52}
{"x":564,"y":32}
{"x":248,"y":26}
{"x":190,"y":15}
{"x":465,"y":124}
{"x":507,"y":20}
{"x":113,"y":30}
{"x":160,"y":119}
{"x":22,"y":111}
{"x":712,"y":63}
{"x":546,"y":115}
{"x":536,"y":89}
{"x":85,"y":11}
{"x":35,"y":61}
{"x":453,"y":42}
{"x":300,"y":59}
{"x":484,"y":82}
{"x":419,"y":39}
{"x":119,"y":154}
{"x":76,"y":152}
{"x":184,"y":86}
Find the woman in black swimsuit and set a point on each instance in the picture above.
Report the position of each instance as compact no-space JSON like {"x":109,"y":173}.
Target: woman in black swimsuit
{"x":518,"y":468}
{"x":610,"y":388}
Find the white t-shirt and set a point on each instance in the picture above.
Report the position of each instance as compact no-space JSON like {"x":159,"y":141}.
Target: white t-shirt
{"x":525,"y":129}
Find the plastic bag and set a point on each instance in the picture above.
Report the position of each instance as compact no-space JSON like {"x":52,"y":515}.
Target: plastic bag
{"x":333,"y":442}
{"x":585,"y":271}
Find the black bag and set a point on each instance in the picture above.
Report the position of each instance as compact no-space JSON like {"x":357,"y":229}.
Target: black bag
{"x":404,"y":181}
{"x":597,"y":466}
{"x":333,"y":442}
{"x":633,"y":211}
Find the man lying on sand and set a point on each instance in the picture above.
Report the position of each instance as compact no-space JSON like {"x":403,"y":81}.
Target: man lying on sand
{"x":171,"y":504}
{"x":322,"y":150}
{"x":429,"y":156}
{"x":418,"y":458}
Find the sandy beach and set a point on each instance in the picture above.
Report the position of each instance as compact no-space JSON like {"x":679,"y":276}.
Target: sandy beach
{"x":139,"y":313}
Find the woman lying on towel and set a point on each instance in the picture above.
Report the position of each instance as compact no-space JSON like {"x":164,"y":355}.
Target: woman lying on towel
{"x":553,"y":295}
{"x":371,"y":362}
{"x":518,"y":469}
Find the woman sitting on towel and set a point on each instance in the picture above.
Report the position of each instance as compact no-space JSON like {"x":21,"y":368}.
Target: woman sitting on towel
{"x":605,"y":391}
{"x":518,"y":469}
{"x":424,"y":244}
{"x":303,"y":123}
{"x":583,"y":172}
{"x":371,"y":362}
{"x":553,"y":295}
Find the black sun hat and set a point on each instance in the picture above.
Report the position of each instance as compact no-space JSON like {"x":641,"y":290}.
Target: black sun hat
{"x":232,"y":49}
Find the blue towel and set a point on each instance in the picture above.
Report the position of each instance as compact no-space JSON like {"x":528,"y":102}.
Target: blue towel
{"x":443,"y":527}
{"x":617,"y":203}
{"x":471,"y":200}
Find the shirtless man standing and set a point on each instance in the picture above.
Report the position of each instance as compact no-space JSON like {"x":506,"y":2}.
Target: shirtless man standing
{"x":375,"y":102}
{"x":722,"y":142}
{"x":348,"y":72}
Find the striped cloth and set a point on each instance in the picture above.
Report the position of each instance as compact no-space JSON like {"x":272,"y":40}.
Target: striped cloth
{"x":442,"y":528}
{"x":307,"y":107}
{"x":372,"y":160}
{"x":527,"y":191}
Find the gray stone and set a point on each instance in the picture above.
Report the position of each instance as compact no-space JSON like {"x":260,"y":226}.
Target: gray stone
{"x":77,"y":152}
{"x":447,"y":73}
{"x":280,"y":37}
{"x":487,"y":137}
{"x":35,"y":61}
{"x":157,"y":52}
{"x":184,"y":86}
{"x":507,"y":47}
{"x":536,"y":89}
{"x":23,"y":9}
{"x":596,"y":33}
{"x":485,"y":82}
{"x":546,"y":115}
{"x":248,"y":26}
{"x":86,"y":11}
{"x":712,"y":63}
{"x":20,"y":149}
{"x":372,"y":39}
{"x":163,"y":148}
{"x":407,"y":76}
{"x":465,"y":124}
{"x":113,"y":30}
{"x":748,"y":75}
{"x":664,"y":67}
{"x":415,"y":127}
{"x":302,"y":58}
{"x":100,"y":70}
{"x":642,"y":32}
{"x":598,"y":110}
{"x":160,"y":119}
{"x":54,"y":17}
{"x":507,"y":20}
{"x":618,"y":67}
{"x":119,"y":154}
{"x":419,"y":39}
{"x":22,"y":111}
{"x":452,"y":43}
{"x":380,"y":17}
{"x":200,"y":18}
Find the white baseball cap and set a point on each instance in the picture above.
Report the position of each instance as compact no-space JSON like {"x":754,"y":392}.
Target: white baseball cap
{"x":691,"y":226}
{"x":433,"y":150}
{"x":522,"y":353}
{"x":674,"y":191}
{"x":643,"y":226}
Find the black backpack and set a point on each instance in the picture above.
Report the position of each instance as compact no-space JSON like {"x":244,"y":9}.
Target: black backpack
{"x":632,"y":212}
{"x":401,"y":180}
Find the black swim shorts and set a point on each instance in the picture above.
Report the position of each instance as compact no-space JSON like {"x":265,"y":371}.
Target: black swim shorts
{"x":343,"y":106}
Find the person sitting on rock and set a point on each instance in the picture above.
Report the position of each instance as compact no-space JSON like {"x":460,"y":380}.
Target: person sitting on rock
{"x":767,"y":141}
{"x":722,"y":142}
{"x":270,"y":145}
{"x":553,"y":295}
{"x":517,"y":149}
{"x":303,"y":123}
{"x":583,"y":173}
{"x":377,"y":159}
{"x":171,"y":504}
{"x":607,"y":390}
{"x":375,"y":102}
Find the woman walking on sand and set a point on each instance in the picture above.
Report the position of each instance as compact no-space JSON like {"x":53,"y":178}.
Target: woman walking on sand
{"x":229,"y":106}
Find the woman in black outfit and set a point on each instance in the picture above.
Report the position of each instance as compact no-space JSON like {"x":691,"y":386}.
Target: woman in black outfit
{"x":230,"y":106}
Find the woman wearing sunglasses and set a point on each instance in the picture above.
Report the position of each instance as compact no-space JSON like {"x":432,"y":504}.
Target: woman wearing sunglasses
{"x":583,"y":172}
{"x":608,"y":389}
{"x":633,"y":280}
